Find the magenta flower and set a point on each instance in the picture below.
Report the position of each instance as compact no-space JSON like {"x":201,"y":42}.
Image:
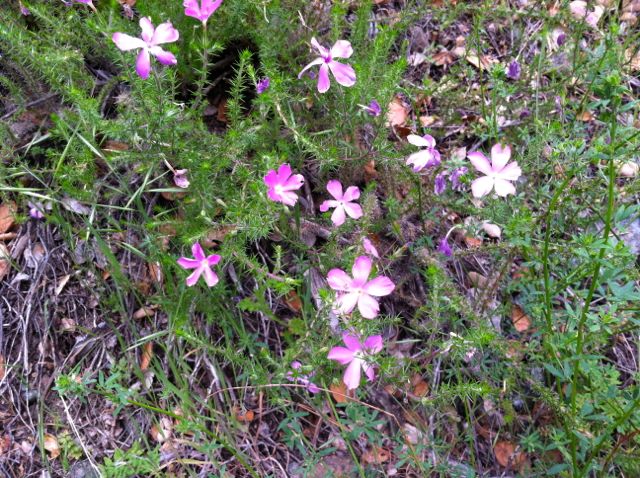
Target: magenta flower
{"x":201,"y":264}
{"x":36,"y":210}
{"x":428,"y":157}
{"x":282,"y":184}
{"x":201,"y":10}
{"x":180,"y":178}
{"x":444,"y":247}
{"x":374,"y":108}
{"x":344,"y":74}
{"x":151,"y":38}
{"x":369,"y":248}
{"x":300,"y":378}
{"x":24,"y":10}
{"x":342,"y":203}
{"x":498,"y":172}
{"x":262,"y":85}
{"x":359,"y":290}
{"x":355,"y":354}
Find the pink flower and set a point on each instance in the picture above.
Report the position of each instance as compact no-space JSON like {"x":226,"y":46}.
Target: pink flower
{"x":87,"y":2}
{"x":359,"y":290}
{"x":23,"y":10}
{"x":369,"y":248}
{"x":355,"y":354}
{"x":282,"y":184}
{"x":151,"y":38}
{"x":498,"y":172}
{"x":343,"y":202}
{"x":202,"y":10}
{"x":180,"y":178}
{"x":426,"y":157}
{"x":36,"y":210}
{"x":300,"y":378}
{"x":343,"y":74}
{"x":201,"y":264}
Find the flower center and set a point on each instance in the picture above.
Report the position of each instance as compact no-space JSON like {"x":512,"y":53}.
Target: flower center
{"x":278,"y":189}
{"x":328,"y":59}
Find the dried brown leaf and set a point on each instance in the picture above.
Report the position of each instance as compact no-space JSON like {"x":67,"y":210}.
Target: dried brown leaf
{"x":340,"y":393}
{"x":7,"y":216}
{"x":147,"y":355}
{"x":521,"y":321}
{"x":376,"y":456}
{"x":397,"y":112}
{"x":506,"y":455}
{"x":52,"y":446}
{"x":5,"y":265}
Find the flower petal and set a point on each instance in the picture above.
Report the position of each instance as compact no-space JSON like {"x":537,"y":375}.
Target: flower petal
{"x":143,"y":64}
{"x":504,"y":187}
{"x":165,"y":33}
{"x":326,"y":205}
{"x":213,"y":259}
{"x":352,"y":375}
{"x":500,"y":156}
{"x":338,"y":217}
{"x":369,"y":371}
{"x":341,"y":49}
{"x":271,"y":178}
{"x":369,"y":248}
{"x":289,"y":198}
{"x":317,"y":61}
{"x":352,"y":341}
{"x":147,"y":29}
{"x":192,"y":9}
{"x":196,"y":250}
{"x":163,"y":56}
{"x":339,"y":280}
{"x":345,"y":303}
{"x":340,"y":355}
{"x":353,"y":210}
{"x":344,"y":74}
{"x":284,"y":172}
{"x":210,"y":277}
{"x":416,"y":140}
{"x":510,"y":172}
{"x":368,"y":306}
{"x":323,"y":79}
{"x":482,"y":186}
{"x":335,"y":189}
{"x":373,"y":344}
{"x":480,"y":162}
{"x":379,"y":287}
{"x":319,"y":48}
{"x":294,"y":182}
{"x":187,"y":263}
{"x":419,"y":159}
{"x":126,"y":42}
{"x":361,"y":269}
{"x":431,"y":142}
{"x":351,"y":194}
{"x":193,"y":278}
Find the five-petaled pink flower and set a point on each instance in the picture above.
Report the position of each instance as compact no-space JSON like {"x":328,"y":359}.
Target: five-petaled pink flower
{"x":282,"y":185}
{"x":201,"y":9}
{"x":201,"y":264}
{"x":498,"y":172}
{"x":427,"y":157}
{"x":355,"y":354}
{"x":359,"y":291}
{"x":342,"y":203}
{"x":302,"y":379}
{"x":151,"y":38}
{"x":344,"y":74}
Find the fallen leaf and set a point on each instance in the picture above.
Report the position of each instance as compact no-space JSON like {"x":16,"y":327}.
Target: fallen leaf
{"x":74,"y":205}
{"x":427,"y":120}
{"x":482,"y":63}
{"x":143,"y":312}
{"x":444,"y":58}
{"x":506,"y":455}
{"x":340,"y":393}
{"x":162,"y":431}
{"x":478,"y":280}
{"x":370,"y":172}
{"x":397,"y":112}
{"x":411,"y":434}
{"x":215,"y":236}
{"x":52,"y":446}
{"x":7,"y":216}
{"x":67,"y":325}
{"x":292,"y":301}
{"x":2,"y":369}
{"x":492,"y":230}
{"x":420,"y":387}
{"x":472,"y":241}
{"x":114,"y":146}
{"x":5,"y":444}
{"x":147,"y":355}
{"x":376,"y":456}
{"x":5,"y":265}
{"x":222,"y":111}
{"x":521,"y":321}
{"x":586,"y":116}
{"x":155,"y":272}
{"x":245,"y":417}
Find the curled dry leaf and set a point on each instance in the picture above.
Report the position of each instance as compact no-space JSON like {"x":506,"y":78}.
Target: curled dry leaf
{"x":147,"y":355}
{"x":162,"y":431}
{"x":2,"y":369}
{"x":376,"y":456}
{"x":292,"y":301}
{"x":340,"y":393}
{"x":492,"y":230}
{"x":397,"y":112}
{"x":7,"y":216}
{"x":521,"y":321}
{"x":52,"y":446}
{"x":478,"y":280}
{"x":506,"y":455}
{"x":5,"y":265}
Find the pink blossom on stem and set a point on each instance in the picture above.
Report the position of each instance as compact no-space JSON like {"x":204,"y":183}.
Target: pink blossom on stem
{"x":499,"y":173}
{"x":427,"y":157}
{"x":359,"y":291}
{"x":369,"y":248}
{"x":180,"y":178}
{"x":201,"y":9}
{"x":282,"y":185}
{"x":343,"y":202}
{"x":148,"y":45}
{"x":201,"y":264}
{"x":344,"y":74}
{"x":295,"y":376}
{"x":355,"y":355}
{"x":36,"y":210}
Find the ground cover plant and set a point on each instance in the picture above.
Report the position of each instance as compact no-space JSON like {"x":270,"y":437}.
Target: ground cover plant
{"x":308,"y":239}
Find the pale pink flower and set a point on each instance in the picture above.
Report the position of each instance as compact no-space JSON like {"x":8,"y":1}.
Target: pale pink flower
{"x":427,"y":157}
{"x":343,"y":202}
{"x":344,"y":74}
{"x":148,"y":44}
{"x":201,"y":264}
{"x":36,"y":210}
{"x":180,"y":178}
{"x":201,"y":9}
{"x":499,"y":172}
{"x":359,"y":291}
{"x":283,"y":184}
{"x":356,"y":354}
{"x":87,"y":2}
{"x":302,"y":379}
{"x":369,"y":248}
